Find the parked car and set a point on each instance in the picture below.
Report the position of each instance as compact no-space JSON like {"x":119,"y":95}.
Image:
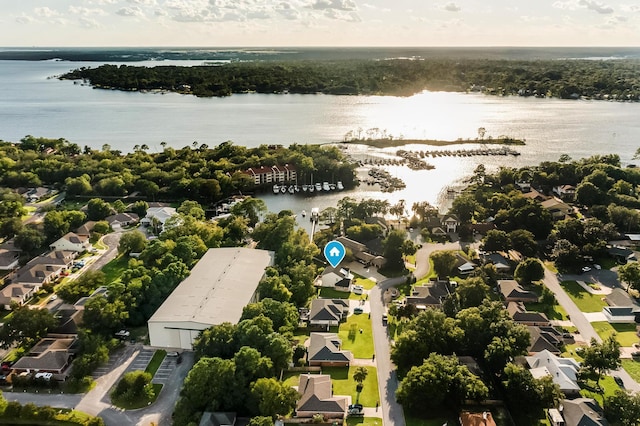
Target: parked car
{"x":355,"y":410}
{"x":45,"y":376}
{"x":598,"y":267}
{"x":635,"y":354}
{"x":385,"y":318}
{"x":357,"y":310}
{"x":173,"y":354}
{"x":586,"y":269}
{"x":123,"y":334}
{"x":53,"y":297}
{"x":619,"y":381}
{"x":357,"y":289}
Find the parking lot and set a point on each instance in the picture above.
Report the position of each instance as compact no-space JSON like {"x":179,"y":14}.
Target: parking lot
{"x":165,"y":370}
{"x":142,"y":360}
{"x":115,"y":359}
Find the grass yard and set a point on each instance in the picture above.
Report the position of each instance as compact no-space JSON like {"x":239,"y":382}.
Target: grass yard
{"x":343,"y":384}
{"x":364,"y":421}
{"x":360,"y":344}
{"x":625,"y":333}
{"x":551,"y":267}
{"x":633,"y":368}
{"x":155,"y":362}
{"x":141,"y":402}
{"x":553,"y":312}
{"x":114,"y":269}
{"x":585,"y":301}
{"x":366,"y":283}
{"x":300,"y":336}
{"x":608,"y":385}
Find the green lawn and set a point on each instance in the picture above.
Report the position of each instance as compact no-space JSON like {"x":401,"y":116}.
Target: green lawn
{"x":155,"y":362}
{"x":553,"y":312}
{"x":330,"y":293}
{"x":364,"y":421}
{"x":366,"y":283}
{"x":139,"y":402}
{"x":633,"y":368}
{"x":585,"y":301}
{"x":551,"y":267}
{"x":625,"y":333}
{"x":114,"y":269}
{"x":300,"y":336}
{"x":607,"y":383}
{"x":360,"y":344}
{"x":343,"y":384}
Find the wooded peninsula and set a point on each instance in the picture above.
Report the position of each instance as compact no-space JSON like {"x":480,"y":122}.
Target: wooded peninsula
{"x":567,"y":79}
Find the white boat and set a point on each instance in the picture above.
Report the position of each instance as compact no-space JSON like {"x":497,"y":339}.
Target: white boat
{"x":292,"y":190}
{"x":318,"y":186}
{"x":276,"y":188}
{"x":304,"y":188}
{"x":315,"y":214}
{"x":296,"y":188}
{"x":304,"y":213}
{"x":339,"y":185}
{"x":325,"y":186}
{"x":283,"y":189}
{"x":332,"y":186}
{"x":311,"y":188}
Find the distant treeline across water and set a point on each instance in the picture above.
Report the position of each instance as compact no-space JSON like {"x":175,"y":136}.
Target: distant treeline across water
{"x":128,"y":54}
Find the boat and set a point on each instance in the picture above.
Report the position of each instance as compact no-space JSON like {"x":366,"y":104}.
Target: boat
{"x":276,"y":188}
{"x":304,"y":213}
{"x":339,"y":185}
{"x":315,"y":214}
{"x":332,"y":186}
{"x":311,"y":188}
{"x":318,"y":186}
{"x":304,"y":188}
{"x":296,"y":188}
{"x":283,"y":189}
{"x":325,"y":186}
{"x":292,"y":190}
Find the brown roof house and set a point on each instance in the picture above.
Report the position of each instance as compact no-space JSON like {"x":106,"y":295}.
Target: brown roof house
{"x":513,"y":292}
{"x":122,"y":219}
{"x":430,"y":295}
{"x":324,"y":350}
{"x":544,"y":338}
{"x":519,"y":314}
{"x":566,"y":192}
{"x":9,"y":259}
{"x":15,"y":293}
{"x":86,"y":228}
{"x":72,"y":242}
{"x":51,"y":355}
{"x":558,"y":208}
{"x":328,"y":312}
{"x":317,"y":398}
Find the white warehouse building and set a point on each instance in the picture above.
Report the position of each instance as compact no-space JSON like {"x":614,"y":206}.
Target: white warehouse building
{"x":221,"y":284}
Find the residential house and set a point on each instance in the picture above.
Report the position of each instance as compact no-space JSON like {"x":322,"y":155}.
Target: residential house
{"x":430,"y":295}
{"x":72,"y":242}
{"x":524,"y":186}
{"x":582,"y":412}
{"x":544,"y":338}
{"x":557,"y":208}
{"x":621,"y":254}
{"x":513,"y":292}
{"x":15,"y":293}
{"x":501,"y":263}
{"x":62,"y":258}
{"x":217,"y":419}
{"x":317,"y":397}
{"x":518,"y":312}
{"x":33,"y":195}
{"x":122,"y":219}
{"x":535,"y":195}
{"x":86,"y":229}
{"x":565,"y":192}
{"x":450,"y":223}
{"x":37,"y":274}
{"x":476,"y":419}
{"x":158,"y":215}
{"x":69,"y":320}
{"x":336,"y":278}
{"x":622,"y":308}
{"x":563,"y":371}
{"x":53,"y":354}
{"x":352,"y":245}
{"x":328,"y":312}
{"x":443,"y":224}
{"x":324,"y":350}
{"x":9,"y":259}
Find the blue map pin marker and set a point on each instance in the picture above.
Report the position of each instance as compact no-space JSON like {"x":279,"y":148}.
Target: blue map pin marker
{"x":334,"y":252}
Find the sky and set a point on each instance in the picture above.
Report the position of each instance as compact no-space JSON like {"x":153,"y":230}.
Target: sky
{"x":217,"y":23}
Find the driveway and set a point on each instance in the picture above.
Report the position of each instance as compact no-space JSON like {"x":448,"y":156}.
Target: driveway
{"x":111,"y":240}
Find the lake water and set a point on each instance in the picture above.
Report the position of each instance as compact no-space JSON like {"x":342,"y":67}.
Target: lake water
{"x":31,"y":103}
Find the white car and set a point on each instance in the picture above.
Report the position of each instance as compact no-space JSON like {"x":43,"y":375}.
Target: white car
{"x":598,"y":267}
{"x":45,"y":376}
{"x":357,"y":289}
{"x":586,"y":269}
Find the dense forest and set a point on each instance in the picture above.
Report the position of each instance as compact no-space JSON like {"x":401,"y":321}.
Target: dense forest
{"x":567,"y":79}
{"x":197,"y":172}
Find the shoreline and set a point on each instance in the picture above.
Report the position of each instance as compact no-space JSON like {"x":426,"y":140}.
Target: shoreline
{"x":390,"y":143}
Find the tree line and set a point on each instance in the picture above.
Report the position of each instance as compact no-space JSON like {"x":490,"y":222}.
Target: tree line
{"x":613,"y":79}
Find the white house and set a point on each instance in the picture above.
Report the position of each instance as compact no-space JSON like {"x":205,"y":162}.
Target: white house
{"x":563,"y":371}
{"x":72,"y":242}
{"x":159,"y":214}
{"x":221,"y":284}
{"x":338,"y":278}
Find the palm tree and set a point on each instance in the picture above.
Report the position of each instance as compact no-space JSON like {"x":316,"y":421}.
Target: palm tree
{"x":360,"y":375}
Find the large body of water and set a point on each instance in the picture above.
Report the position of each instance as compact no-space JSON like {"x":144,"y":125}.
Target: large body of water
{"x":32,"y":103}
